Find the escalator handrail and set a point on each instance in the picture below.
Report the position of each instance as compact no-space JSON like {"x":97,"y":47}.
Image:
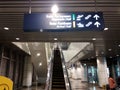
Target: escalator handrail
{"x":65,"y":72}
{"x":49,"y":73}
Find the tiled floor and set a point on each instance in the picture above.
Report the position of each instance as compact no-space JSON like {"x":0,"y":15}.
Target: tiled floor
{"x":76,"y":85}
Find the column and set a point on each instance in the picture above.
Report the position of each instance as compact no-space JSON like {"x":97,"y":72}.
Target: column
{"x":102,"y":71}
{"x":28,"y":70}
{"x":84,"y":73}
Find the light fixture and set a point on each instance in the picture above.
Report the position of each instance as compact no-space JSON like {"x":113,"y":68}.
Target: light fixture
{"x":93,"y":39}
{"x":105,"y":29}
{"x":84,"y":64}
{"x":6,"y":28}
{"x":55,"y":39}
{"x":109,"y":49}
{"x":17,"y":38}
{"x":119,"y":45}
{"x":117,"y":55}
{"x":54,"y":9}
{"x":41,"y":30}
{"x":40,"y":64}
{"x":38,"y":54}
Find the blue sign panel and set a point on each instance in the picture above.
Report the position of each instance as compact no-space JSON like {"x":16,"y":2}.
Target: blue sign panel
{"x":83,"y":21}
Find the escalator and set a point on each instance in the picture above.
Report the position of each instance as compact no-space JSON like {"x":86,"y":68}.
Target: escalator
{"x":58,"y":82}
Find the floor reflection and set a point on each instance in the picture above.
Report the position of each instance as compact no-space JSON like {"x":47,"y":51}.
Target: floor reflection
{"x":75,"y":84}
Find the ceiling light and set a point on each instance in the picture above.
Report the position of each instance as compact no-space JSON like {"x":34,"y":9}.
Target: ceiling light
{"x":105,"y":29}
{"x":6,"y":28}
{"x":54,"y":9}
{"x":117,"y":55}
{"x":119,"y":45}
{"x":93,"y":39}
{"x":84,"y":64}
{"x":41,"y":30}
{"x":110,"y":49}
{"x":38,"y":54}
{"x":55,"y":39}
{"x":17,"y":38}
{"x":40,"y":64}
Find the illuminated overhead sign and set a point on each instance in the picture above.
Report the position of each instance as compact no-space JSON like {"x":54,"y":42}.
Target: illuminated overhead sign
{"x":81,"y":21}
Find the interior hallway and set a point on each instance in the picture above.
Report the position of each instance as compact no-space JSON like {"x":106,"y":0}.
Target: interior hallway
{"x":76,"y":85}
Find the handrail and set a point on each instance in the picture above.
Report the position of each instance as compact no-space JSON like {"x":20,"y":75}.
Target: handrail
{"x":65,"y":72}
{"x":49,"y":73}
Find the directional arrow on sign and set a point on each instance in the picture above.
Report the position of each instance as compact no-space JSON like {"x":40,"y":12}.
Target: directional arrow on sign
{"x":97,"y":24}
{"x":96,"y":16}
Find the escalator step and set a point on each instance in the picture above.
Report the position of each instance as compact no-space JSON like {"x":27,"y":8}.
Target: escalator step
{"x":58,"y":86}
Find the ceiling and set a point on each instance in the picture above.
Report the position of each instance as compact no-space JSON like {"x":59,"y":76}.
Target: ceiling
{"x":12,"y":12}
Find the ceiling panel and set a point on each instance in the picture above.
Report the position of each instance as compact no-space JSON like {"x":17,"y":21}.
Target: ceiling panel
{"x":12,"y":12}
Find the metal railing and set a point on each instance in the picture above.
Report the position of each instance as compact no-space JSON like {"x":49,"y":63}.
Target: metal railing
{"x":49,"y":73}
{"x":65,"y":72}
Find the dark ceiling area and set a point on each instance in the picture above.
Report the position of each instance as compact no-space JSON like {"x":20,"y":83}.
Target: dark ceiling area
{"x":12,"y":14}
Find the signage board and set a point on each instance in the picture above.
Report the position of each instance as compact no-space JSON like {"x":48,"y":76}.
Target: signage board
{"x":81,"y":21}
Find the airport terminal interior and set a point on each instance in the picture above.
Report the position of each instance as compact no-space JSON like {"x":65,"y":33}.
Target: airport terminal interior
{"x":59,"y":44}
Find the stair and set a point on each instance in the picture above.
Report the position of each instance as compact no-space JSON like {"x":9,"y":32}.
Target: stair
{"x":58,"y":82}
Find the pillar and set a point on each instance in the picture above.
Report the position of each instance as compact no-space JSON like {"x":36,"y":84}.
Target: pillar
{"x":83,"y":73}
{"x":102,"y":71}
{"x":28,"y":70}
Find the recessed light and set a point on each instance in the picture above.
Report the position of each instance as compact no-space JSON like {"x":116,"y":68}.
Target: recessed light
{"x":38,"y":54}
{"x":41,"y":30}
{"x":105,"y":29}
{"x":55,"y":39}
{"x":93,"y":39}
{"x":40,"y":64}
{"x":84,"y":64}
{"x":119,"y":45}
{"x":117,"y":55}
{"x":6,"y":28}
{"x":109,"y":49}
{"x":17,"y":38}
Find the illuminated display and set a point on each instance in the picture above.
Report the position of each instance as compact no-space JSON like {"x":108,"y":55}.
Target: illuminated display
{"x":64,"y":21}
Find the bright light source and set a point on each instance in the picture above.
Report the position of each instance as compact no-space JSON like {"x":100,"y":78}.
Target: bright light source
{"x":40,"y":64}
{"x":93,"y":39}
{"x":54,"y":9}
{"x":41,"y":30}
{"x":17,"y":38}
{"x":6,"y":28}
{"x":119,"y":45}
{"x":117,"y":55}
{"x":55,"y":39}
{"x":110,"y":49}
{"x":38,"y":54}
{"x":105,"y":29}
